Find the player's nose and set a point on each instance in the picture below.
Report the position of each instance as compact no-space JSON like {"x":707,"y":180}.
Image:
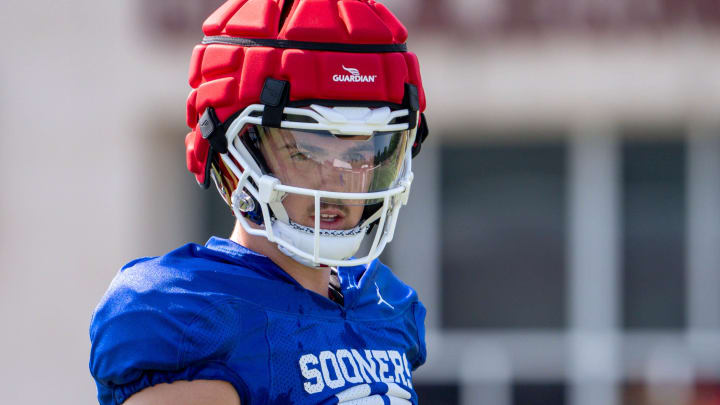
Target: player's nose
{"x":330,"y":176}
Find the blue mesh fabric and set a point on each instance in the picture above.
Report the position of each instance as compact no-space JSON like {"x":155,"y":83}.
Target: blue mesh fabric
{"x":223,"y":312}
{"x":199,"y":371}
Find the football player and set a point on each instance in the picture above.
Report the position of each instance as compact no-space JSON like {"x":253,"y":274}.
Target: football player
{"x":306,"y":115}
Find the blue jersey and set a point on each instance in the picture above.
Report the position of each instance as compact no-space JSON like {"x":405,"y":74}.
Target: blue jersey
{"x":223,"y":312}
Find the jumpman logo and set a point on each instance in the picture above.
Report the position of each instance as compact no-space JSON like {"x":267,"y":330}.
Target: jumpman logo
{"x":381,"y":299}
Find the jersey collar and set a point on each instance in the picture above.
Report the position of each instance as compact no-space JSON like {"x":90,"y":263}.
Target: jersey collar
{"x":352,"y":279}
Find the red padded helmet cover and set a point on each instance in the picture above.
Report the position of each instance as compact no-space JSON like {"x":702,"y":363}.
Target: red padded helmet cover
{"x":231,"y":77}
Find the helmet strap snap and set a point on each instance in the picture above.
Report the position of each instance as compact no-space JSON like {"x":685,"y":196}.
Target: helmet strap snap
{"x":213,"y":130}
{"x":274,"y":96}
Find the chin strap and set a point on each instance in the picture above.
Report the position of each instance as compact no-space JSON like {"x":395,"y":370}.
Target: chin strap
{"x":337,"y":235}
{"x":302,"y":237}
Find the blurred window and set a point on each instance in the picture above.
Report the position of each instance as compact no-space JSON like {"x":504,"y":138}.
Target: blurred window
{"x":654,"y":216}
{"x":438,"y":394}
{"x":503,"y":235}
{"x":539,"y":394}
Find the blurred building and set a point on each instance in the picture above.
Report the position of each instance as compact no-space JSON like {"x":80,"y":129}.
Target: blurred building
{"x":564,"y":229}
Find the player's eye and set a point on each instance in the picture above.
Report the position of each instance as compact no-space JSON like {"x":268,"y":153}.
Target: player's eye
{"x":299,"y":156}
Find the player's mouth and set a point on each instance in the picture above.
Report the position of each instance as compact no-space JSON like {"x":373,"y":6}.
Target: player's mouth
{"x":330,"y":218}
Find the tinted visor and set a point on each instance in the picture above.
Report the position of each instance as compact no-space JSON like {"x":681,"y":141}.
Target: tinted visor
{"x":337,"y":163}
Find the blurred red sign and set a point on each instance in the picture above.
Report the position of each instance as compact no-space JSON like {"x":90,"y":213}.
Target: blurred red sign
{"x":171,"y":18}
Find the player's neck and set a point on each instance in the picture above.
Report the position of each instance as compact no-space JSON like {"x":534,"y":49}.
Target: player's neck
{"x":316,"y":280}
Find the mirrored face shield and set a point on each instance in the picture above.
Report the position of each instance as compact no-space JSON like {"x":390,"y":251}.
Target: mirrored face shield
{"x":322,"y":179}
